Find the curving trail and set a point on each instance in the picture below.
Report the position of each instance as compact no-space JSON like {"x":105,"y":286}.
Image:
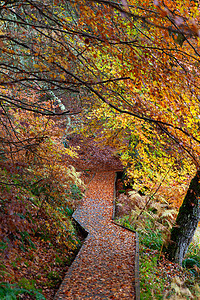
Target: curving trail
{"x":104,"y":267}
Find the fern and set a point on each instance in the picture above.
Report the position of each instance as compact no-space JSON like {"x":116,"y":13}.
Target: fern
{"x":178,"y":290}
{"x":12,"y":291}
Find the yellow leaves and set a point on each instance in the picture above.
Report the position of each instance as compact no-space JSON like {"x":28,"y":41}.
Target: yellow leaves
{"x":144,"y":139}
{"x":180,"y":289}
{"x":71,"y":152}
{"x":42,"y":67}
{"x":36,"y":66}
{"x":10,"y":51}
{"x":195,"y":10}
{"x":53,"y":75}
{"x":123,"y":121}
{"x":75,"y":176}
{"x":50,"y":59}
{"x":62,"y":76}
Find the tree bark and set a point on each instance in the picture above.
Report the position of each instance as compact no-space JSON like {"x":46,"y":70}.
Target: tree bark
{"x":186,"y":223}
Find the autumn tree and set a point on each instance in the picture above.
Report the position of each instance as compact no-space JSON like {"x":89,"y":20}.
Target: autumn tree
{"x":141,"y":59}
{"x":160,"y":95}
{"x":35,"y":179}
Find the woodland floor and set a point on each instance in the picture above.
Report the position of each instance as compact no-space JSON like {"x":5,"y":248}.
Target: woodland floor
{"x":44,"y":266}
{"x":104,"y":267}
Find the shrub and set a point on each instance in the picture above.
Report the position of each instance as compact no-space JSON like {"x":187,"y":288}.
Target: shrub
{"x":12,"y":291}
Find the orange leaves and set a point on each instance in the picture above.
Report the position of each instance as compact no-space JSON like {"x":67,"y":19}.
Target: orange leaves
{"x":183,"y":20}
{"x":195,"y":28}
{"x":163,"y":11}
{"x":145,"y":65}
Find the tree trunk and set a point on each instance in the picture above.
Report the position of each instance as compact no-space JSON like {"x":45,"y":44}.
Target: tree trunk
{"x":186,"y":223}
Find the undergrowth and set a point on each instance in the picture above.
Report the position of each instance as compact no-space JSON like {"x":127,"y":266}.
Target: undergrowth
{"x":13,"y":291}
{"x":38,"y":239}
{"x":159,"y":278}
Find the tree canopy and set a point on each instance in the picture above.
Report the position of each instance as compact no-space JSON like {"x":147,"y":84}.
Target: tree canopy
{"x":140,"y":58}
{"x":132,"y":67}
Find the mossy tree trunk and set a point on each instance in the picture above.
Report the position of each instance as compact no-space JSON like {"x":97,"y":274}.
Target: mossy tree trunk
{"x":186,"y":223}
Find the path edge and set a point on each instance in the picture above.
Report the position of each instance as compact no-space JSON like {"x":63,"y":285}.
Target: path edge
{"x":137,"y":268}
{"x":136,"y":271}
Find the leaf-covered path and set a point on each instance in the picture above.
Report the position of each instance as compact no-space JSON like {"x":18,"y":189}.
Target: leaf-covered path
{"x":104,"y":267}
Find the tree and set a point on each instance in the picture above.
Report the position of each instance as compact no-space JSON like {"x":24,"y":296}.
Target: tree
{"x":186,"y":222}
{"x":34,"y":176}
{"x":164,"y":107}
{"x":139,"y":58}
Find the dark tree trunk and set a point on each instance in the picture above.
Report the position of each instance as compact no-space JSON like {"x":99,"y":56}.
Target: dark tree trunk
{"x":186,"y":223}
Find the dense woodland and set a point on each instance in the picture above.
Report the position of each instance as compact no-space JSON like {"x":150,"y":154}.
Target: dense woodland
{"x":121,"y":74}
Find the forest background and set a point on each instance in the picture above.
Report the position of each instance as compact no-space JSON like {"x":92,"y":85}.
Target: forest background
{"x":125,"y":73}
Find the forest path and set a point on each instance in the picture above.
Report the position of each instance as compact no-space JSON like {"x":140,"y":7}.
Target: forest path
{"x":105,"y":265}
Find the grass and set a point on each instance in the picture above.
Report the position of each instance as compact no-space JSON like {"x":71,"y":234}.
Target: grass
{"x":151,"y":283}
{"x":160,"y":278}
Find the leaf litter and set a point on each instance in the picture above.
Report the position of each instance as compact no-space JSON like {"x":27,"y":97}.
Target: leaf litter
{"x":104,"y":267}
